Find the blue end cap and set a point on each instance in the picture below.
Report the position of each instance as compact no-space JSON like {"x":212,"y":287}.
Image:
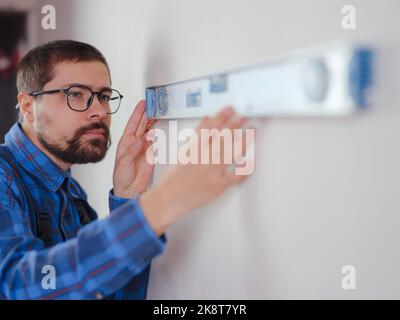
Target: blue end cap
{"x":151,"y":103}
{"x":361,"y":75}
{"x":162,"y":101}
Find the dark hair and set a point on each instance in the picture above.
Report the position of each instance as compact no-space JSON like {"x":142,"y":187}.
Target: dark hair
{"x":37,"y":67}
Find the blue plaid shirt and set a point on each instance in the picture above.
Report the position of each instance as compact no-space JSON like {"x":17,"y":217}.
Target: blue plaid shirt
{"x":107,"y":258}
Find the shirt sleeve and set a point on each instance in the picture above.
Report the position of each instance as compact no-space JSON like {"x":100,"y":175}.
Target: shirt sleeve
{"x":114,"y":202}
{"x":103,"y":257}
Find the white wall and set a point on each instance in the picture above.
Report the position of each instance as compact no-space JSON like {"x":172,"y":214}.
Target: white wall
{"x":325,"y":192}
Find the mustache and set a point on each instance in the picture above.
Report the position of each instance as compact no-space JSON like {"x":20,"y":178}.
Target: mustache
{"x":96,"y":125}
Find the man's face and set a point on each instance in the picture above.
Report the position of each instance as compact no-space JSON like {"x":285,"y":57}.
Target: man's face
{"x":71,"y":136}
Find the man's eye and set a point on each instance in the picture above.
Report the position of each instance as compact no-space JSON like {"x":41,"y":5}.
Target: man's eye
{"x":105,"y":97}
{"x":74,"y":94}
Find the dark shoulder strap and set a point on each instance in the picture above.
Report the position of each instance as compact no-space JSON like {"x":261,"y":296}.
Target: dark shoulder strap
{"x":86,"y":212}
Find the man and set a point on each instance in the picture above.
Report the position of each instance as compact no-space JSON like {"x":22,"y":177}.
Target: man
{"x":46,"y":225}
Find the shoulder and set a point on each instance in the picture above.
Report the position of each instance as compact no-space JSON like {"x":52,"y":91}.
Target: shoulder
{"x":9,"y":190}
{"x":7,"y":170}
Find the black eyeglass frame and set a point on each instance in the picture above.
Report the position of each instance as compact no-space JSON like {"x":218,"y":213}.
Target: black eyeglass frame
{"x":90,"y":100}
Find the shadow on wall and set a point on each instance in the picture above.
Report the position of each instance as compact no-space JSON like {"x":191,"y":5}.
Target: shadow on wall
{"x":12,"y":33}
{"x":159,"y":64}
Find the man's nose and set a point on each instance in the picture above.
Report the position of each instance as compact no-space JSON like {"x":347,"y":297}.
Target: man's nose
{"x":96,"y":109}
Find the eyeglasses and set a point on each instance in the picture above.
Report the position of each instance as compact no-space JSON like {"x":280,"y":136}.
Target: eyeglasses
{"x":80,"y":97}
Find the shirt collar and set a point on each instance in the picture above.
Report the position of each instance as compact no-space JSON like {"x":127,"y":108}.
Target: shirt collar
{"x":33,"y":160}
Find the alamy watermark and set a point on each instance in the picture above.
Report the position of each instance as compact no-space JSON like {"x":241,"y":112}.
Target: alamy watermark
{"x":49,"y":280}
{"x":349,"y":278}
{"x":205,"y":146}
{"x":49,"y":18}
{"x":349,"y":17}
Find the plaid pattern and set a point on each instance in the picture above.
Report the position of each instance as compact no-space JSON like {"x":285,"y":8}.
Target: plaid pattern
{"x":107,"y":258}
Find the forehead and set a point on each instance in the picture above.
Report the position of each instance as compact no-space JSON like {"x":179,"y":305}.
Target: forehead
{"x":93,"y":74}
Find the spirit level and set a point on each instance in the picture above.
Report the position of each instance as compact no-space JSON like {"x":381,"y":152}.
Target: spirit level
{"x":329,"y":80}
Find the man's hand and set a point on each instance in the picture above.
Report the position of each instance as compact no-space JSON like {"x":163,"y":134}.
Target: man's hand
{"x":131,"y":170}
{"x":188,"y":186}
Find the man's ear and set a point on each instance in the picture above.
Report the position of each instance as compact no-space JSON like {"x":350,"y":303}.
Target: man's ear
{"x":25,"y":102}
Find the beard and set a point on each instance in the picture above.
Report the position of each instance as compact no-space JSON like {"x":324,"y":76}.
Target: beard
{"x":77,"y":151}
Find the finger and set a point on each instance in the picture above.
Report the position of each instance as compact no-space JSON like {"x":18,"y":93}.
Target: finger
{"x":204,"y":123}
{"x":216,"y":122}
{"x":239,"y":145}
{"x":142,"y":125}
{"x":219,"y":119}
{"x":150,"y":123}
{"x":222,"y":118}
{"x":135,"y":119}
{"x":244,"y":151}
{"x":235,"y":122}
{"x":226,"y":137}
